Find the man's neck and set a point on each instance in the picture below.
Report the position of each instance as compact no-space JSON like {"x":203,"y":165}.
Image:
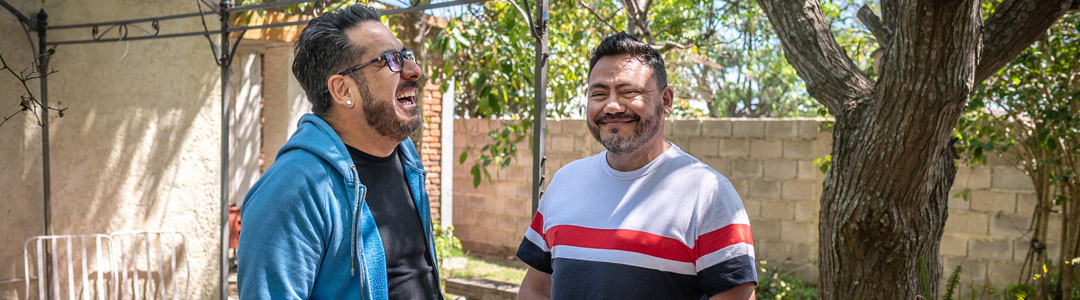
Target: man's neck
{"x":640,"y":157}
{"x":363,"y":137}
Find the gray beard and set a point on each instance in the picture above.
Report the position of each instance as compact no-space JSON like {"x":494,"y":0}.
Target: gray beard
{"x":645,"y":130}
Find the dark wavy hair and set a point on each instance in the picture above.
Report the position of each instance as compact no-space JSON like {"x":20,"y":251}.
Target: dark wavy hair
{"x":623,"y":43}
{"x":323,"y":49}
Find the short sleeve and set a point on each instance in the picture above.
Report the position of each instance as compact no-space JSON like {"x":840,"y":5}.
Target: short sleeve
{"x":534,"y":250}
{"x":724,"y":246}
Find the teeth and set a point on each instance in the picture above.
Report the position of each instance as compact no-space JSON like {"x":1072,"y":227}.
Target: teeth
{"x":411,"y":93}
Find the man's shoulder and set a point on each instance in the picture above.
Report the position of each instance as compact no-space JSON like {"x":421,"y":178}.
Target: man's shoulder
{"x":685,"y":165}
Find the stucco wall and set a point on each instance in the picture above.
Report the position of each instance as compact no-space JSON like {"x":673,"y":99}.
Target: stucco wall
{"x":138,"y":147}
{"x":770,"y":163}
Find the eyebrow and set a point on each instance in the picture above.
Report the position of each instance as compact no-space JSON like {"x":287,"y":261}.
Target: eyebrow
{"x":605,"y":86}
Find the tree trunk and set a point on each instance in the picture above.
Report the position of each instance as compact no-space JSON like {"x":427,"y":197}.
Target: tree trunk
{"x":885,"y":197}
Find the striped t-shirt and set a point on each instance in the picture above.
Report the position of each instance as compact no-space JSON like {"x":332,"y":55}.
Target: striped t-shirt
{"x":673,"y":229}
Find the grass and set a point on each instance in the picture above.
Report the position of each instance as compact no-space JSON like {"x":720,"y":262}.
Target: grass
{"x":487,"y":267}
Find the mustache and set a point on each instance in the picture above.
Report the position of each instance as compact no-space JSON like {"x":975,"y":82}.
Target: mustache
{"x":623,"y":115}
{"x":408,"y":84}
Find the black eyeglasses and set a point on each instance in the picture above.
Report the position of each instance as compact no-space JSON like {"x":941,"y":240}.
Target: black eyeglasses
{"x":395,"y":60}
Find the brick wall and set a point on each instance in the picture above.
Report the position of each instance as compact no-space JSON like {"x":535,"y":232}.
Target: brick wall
{"x":431,"y":145}
{"x":770,"y":163}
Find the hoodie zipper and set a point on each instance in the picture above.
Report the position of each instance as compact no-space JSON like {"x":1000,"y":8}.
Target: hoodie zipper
{"x":358,"y":208}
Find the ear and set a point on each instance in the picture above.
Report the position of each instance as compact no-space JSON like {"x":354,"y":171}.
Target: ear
{"x":341,"y":89}
{"x":668,"y":95}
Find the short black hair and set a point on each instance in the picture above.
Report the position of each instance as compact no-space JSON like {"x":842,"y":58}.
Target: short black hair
{"x":623,"y":43}
{"x":323,"y":49}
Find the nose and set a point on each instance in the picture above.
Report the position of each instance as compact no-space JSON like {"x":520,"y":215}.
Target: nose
{"x":411,"y":70}
{"x":612,"y":105}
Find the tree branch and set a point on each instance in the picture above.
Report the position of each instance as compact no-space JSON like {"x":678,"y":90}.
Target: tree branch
{"x":809,"y":46}
{"x":528,"y":15}
{"x":1014,"y":25}
{"x":872,"y":22}
{"x":601,"y":18}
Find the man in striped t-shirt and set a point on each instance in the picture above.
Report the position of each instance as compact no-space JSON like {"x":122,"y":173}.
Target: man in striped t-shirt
{"x":642,"y":220}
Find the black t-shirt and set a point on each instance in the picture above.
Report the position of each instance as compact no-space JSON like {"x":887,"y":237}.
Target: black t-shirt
{"x":409,"y":271}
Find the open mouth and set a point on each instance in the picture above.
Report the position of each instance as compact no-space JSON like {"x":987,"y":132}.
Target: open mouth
{"x":407,"y":98}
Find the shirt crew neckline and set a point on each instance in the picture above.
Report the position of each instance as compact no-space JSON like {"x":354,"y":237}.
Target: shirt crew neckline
{"x":642,"y":171}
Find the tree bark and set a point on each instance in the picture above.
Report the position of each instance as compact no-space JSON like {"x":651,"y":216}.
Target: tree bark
{"x":885,"y":198}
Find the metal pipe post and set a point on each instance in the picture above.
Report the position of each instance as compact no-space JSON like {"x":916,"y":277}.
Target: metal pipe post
{"x":539,"y":100}
{"x":43,"y":71}
{"x":224,"y":60}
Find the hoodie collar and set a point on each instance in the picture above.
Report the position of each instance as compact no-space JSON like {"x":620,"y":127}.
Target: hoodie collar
{"x":314,"y":135}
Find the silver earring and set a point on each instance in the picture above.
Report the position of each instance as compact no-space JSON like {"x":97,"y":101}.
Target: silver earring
{"x":348,"y":102}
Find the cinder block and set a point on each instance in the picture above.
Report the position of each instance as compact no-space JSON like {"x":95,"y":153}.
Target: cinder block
{"x":746,"y":169}
{"x":766,"y":148}
{"x":553,"y":126}
{"x":748,"y":128}
{"x":773,"y":210}
{"x":721,"y":165}
{"x":669,"y":127}
{"x":559,"y":143}
{"x":973,"y":177}
{"x":801,"y":191}
{"x":1026,"y":202}
{"x":703,"y":147}
{"x":974,"y":270}
{"x":1010,"y":178}
{"x":957,"y":201}
{"x":808,"y":171}
{"x":993,"y":249}
{"x":809,"y":129}
{"x":780,"y":169}
{"x":765,"y":189}
{"x":575,"y":128}
{"x":1009,"y":225}
{"x":687,"y":128}
{"x":733,"y":148}
{"x":802,"y":150}
{"x":993,"y":202}
{"x":753,"y":209}
{"x":765,"y":230}
{"x":807,"y":210}
{"x":1004,"y":273}
{"x":953,"y":245}
{"x":741,"y":187}
{"x":781,"y":129}
{"x":798,"y":232}
{"x":967,"y":223}
{"x":716,"y":128}
{"x":1023,"y":246}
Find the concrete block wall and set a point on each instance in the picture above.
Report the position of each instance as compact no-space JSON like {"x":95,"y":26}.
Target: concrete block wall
{"x":770,"y":163}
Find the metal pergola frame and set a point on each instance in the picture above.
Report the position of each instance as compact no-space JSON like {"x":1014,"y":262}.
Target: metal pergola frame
{"x":224,"y":55}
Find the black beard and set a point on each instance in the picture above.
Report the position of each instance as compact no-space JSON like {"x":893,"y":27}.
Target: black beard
{"x":381,"y":115}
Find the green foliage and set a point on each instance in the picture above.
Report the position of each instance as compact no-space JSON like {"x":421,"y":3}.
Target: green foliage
{"x":774,"y":283}
{"x":952,"y":282}
{"x":446,"y":244}
{"x":823,"y":163}
{"x":1029,"y":114}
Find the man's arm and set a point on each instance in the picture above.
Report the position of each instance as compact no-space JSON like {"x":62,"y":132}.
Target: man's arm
{"x":536,"y":285}
{"x":281,"y":244}
{"x":743,"y":291}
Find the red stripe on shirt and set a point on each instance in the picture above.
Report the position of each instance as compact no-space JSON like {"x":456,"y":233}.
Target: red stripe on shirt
{"x":619,"y":239}
{"x":722,"y":238}
{"x":538,"y":224}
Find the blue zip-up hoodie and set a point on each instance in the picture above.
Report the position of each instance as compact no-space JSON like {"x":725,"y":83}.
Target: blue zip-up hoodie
{"x":307,"y":231}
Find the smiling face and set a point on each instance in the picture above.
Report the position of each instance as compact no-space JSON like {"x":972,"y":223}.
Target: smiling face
{"x":388,"y":98}
{"x":625,"y":107}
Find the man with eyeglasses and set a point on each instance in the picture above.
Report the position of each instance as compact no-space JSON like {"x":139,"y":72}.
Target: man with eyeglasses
{"x":342,"y":213}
